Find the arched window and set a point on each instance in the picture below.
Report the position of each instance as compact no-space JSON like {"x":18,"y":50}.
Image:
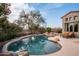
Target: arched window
{"x":76,"y":28}
{"x":71,"y":28}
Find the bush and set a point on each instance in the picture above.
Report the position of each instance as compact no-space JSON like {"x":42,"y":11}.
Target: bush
{"x":41,"y":30}
{"x":6,"y":36}
{"x":9,"y":32}
{"x":48,"y":29}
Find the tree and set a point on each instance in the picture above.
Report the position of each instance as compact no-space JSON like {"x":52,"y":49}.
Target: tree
{"x":33,"y":19}
{"x":4,"y":11}
{"x":21,"y":20}
{"x":48,"y":29}
{"x":7,"y":30}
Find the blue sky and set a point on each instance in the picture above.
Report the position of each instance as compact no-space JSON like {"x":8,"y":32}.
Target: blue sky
{"x":52,"y":12}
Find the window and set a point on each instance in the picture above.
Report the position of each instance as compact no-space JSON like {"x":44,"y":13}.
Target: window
{"x":66,"y":19}
{"x":75,"y":17}
{"x":70,"y":18}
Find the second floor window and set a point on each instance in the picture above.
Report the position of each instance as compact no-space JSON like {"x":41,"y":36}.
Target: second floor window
{"x":66,"y":19}
{"x":75,"y":17}
{"x":70,"y":18}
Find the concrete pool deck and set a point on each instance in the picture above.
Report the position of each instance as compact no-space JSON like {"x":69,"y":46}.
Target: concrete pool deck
{"x":70,"y":47}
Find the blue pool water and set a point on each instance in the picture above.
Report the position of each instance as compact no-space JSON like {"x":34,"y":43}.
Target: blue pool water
{"x":37,"y":45}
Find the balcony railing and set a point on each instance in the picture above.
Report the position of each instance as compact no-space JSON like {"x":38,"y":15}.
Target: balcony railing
{"x":69,"y":21}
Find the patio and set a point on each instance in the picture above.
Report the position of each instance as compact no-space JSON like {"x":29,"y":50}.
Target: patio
{"x":70,"y":47}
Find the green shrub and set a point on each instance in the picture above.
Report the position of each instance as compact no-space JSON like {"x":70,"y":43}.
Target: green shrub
{"x":48,"y":29}
{"x":6,"y":36}
{"x":41,"y":30}
{"x":9,"y":32}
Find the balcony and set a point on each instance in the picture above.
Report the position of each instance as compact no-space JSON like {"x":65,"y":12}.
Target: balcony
{"x":71,"y":21}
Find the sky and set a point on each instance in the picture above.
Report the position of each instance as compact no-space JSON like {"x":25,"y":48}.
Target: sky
{"x":51,"y":12}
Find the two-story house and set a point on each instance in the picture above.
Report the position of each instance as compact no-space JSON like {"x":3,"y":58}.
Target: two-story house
{"x":70,"y":22}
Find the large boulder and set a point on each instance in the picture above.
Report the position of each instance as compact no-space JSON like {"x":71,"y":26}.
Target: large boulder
{"x":54,"y":39}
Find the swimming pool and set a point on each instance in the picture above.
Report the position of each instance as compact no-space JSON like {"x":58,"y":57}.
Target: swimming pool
{"x":35,"y":45}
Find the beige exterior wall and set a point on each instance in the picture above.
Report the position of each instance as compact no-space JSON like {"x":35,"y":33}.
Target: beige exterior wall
{"x":71,"y":15}
{"x":71,"y":25}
